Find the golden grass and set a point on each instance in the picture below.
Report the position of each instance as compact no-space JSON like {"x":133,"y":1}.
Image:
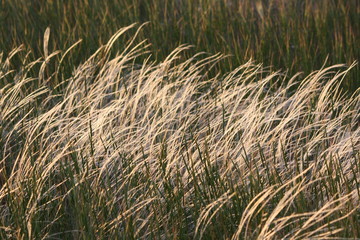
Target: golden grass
{"x":163,"y":150}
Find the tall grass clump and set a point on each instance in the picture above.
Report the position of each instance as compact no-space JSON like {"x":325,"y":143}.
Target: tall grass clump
{"x":164,"y":150}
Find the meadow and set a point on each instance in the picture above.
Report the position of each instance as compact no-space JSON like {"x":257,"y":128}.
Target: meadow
{"x":295,"y":35}
{"x":204,"y":120}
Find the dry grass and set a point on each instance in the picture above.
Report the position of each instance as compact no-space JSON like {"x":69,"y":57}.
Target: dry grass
{"x":163,"y":150}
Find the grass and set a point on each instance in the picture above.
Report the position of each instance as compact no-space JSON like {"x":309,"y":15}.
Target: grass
{"x":129,"y":147}
{"x":294,"y":35}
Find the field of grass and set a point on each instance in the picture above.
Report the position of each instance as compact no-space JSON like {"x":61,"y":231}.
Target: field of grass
{"x":131,"y":135}
{"x":294,"y":35}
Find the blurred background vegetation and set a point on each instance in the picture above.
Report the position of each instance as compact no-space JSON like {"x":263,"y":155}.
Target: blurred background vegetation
{"x":293,"y":35}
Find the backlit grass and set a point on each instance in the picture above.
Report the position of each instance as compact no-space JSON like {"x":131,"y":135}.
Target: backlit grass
{"x":132,"y":148}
